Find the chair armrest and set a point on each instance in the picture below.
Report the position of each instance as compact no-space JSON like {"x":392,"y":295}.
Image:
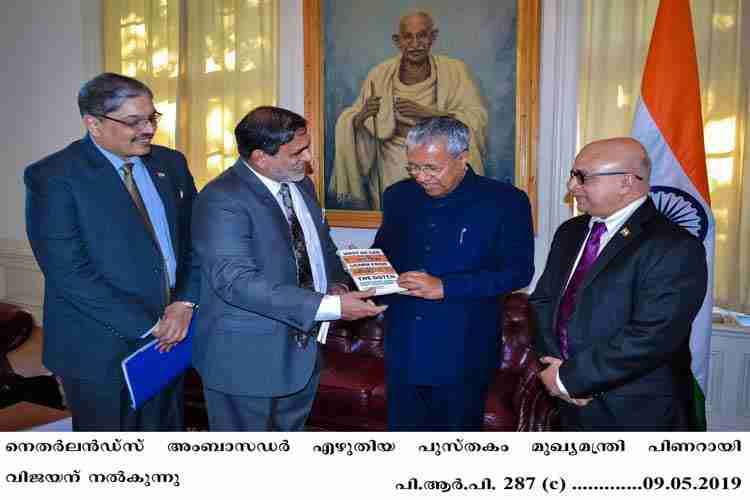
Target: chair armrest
{"x":15,"y":327}
{"x":536,"y":409}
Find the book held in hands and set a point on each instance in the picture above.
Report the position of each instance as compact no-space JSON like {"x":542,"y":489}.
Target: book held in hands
{"x":370,"y":268}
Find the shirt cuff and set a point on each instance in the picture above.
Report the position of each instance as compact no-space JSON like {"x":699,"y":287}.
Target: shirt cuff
{"x":329,"y":308}
{"x":561,"y":386}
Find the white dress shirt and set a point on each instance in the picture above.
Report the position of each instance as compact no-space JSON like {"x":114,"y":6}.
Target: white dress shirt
{"x":614,"y":222}
{"x":330,"y":306}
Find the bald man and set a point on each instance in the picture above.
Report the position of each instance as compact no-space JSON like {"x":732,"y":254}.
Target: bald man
{"x":616,"y":301}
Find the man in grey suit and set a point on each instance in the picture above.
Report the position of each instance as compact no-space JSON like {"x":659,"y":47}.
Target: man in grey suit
{"x":268,"y":268}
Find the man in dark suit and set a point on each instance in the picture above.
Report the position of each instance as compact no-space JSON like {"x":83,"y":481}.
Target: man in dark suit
{"x":267,"y":261}
{"x":108,"y":218}
{"x":460,"y":241}
{"x":617,"y":298}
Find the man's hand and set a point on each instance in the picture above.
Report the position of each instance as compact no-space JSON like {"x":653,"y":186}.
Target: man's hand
{"x":371,"y":108}
{"x":173,"y":325}
{"x":421,"y":284}
{"x":356,"y":305}
{"x":548,"y":376}
{"x":410,"y":109}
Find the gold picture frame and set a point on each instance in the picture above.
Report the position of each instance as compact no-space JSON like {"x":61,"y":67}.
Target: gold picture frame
{"x":526,"y":101}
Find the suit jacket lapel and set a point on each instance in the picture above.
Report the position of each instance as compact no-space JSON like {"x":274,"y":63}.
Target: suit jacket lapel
{"x":264,"y":196}
{"x":312,"y":206}
{"x":622,"y":239}
{"x":109,"y":186}
{"x":571,"y":248}
{"x":163,"y":183}
{"x":316,"y":214}
{"x":105,"y":173}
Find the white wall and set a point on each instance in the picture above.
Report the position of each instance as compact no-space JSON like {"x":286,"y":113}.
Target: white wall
{"x":45,"y":62}
{"x":41,"y":48}
{"x":558,"y":98}
{"x":291,"y":56}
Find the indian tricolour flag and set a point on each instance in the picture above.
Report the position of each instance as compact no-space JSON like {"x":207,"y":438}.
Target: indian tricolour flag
{"x":668,"y":122}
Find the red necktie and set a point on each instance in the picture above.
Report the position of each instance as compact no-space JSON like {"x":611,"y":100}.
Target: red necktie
{"x":567,"y":305}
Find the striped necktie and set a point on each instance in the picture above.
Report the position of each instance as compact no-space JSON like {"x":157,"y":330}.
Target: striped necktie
{"x":304,"y":270}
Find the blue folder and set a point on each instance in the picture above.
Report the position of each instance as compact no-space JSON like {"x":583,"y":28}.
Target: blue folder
{"x":147,"y":371}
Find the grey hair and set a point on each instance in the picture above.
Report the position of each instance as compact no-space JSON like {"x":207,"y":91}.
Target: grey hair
{"x":106,"y":93}
{"x":417,"y":12}
{"x":454,"y":132}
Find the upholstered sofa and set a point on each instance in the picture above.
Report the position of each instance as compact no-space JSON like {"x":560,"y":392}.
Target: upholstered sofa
{"x":352,"y":394}
{"x":22,"y":375}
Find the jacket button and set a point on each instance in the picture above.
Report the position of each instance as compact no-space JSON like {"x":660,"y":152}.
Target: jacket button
{"x":427,"y":248}
{"x":418,"y":317}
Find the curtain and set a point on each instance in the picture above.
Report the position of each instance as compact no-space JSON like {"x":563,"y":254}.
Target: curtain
{"x":616,"y":37}
{"x":208,"y":63}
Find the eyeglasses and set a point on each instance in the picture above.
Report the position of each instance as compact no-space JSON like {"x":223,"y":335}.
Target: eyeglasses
{"x":138,"y":123}
{"x":425,"y":169}
{"x":422,"y":36}
{"x":581,"y":176}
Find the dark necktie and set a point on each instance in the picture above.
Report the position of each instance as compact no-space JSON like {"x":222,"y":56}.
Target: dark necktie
{"x":567,"y":305}
{"x":135,"y":194}
{"x":304,"y":270}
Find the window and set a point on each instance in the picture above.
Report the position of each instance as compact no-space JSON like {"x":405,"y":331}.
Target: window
{"x":208,"y":63}
{"x":615,"y":45}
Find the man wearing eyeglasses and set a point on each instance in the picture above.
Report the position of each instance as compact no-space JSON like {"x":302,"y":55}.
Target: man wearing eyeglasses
{"x":271,"y":280}
{"x":108,"y":218}
{"x":616,"y":301}
{"x":460,"y":241}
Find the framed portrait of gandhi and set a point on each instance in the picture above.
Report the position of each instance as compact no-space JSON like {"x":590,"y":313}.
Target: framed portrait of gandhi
{"x":373,"y":69}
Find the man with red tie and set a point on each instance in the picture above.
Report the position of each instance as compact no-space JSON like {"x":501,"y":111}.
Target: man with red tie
{"x":616,"y":301}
